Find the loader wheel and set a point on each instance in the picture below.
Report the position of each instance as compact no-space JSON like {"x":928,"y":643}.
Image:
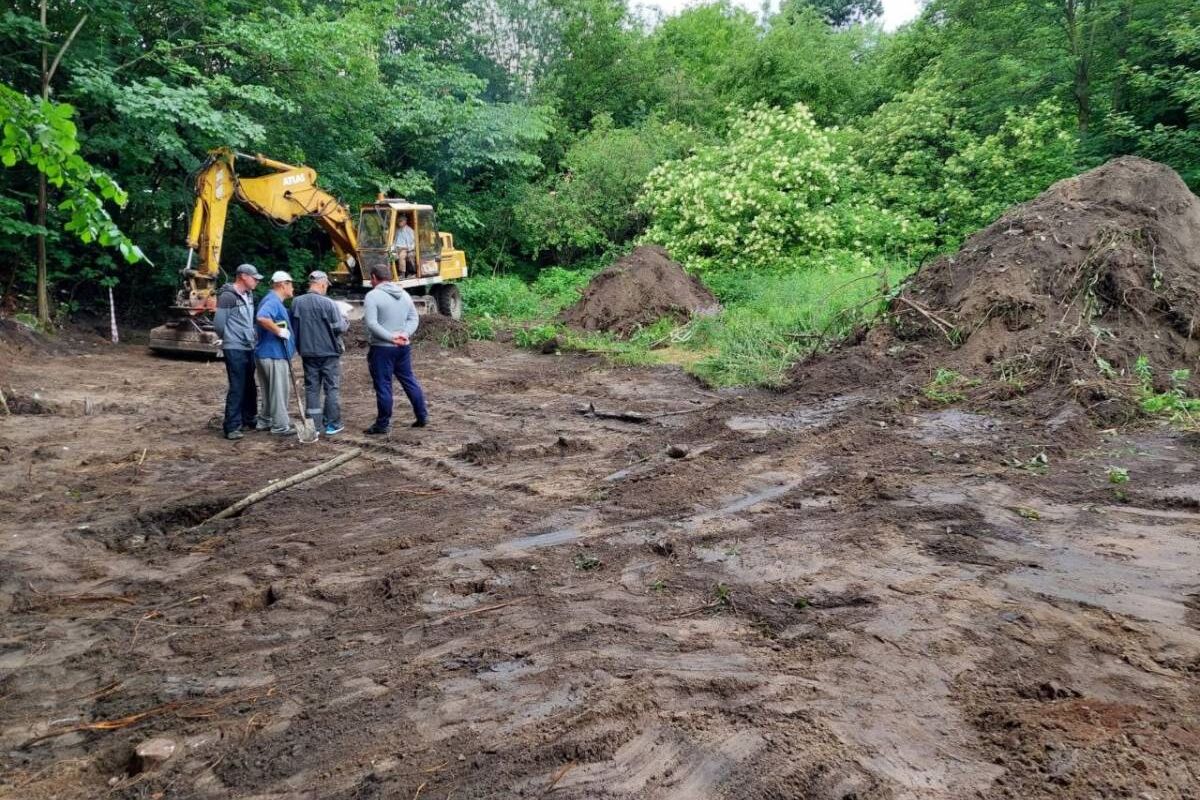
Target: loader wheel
{"x":449,"y":301}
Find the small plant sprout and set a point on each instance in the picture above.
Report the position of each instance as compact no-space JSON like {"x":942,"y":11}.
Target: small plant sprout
{"x":1118,"y":475}
{"x":1038,"y":465}
{"x":947,"y":385}
{"x":586,"y":561}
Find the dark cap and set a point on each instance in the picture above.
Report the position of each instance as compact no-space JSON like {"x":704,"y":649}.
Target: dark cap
{"x":251,"y":270}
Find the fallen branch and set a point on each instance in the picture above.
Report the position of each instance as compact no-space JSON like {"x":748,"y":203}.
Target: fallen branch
{"x":939,"y":323}
{"x":279,"y":486}
{"x":106,"y":725}
{"x":558,"y":777}
{"x":469,"y":612}
{"x":4,"y":404}
{"x":181,"y":709}
{"x":590,"y":410}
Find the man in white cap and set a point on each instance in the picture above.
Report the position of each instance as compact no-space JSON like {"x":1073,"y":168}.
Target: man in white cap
{"x":318,"y":328}
{"x":274,"y":355}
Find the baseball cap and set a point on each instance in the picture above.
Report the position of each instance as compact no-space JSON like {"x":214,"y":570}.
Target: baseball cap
{"x":251,"y":270}
{"x":280,"y":277}
{"x":317,"y":275}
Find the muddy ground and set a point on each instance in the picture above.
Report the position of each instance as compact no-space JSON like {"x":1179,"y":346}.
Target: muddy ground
{"x":707,"y":595}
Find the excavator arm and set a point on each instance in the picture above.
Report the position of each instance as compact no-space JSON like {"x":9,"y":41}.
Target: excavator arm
{"x":282,"y":196}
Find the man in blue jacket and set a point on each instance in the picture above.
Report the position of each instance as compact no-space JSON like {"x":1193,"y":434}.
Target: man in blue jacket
{"x":234,"y":322}
{"x":274,"y":356}
{"x":391,"y":321}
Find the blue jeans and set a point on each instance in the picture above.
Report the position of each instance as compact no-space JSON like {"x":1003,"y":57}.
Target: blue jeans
{"x":386,"y":363}
{"x":241,"y":401}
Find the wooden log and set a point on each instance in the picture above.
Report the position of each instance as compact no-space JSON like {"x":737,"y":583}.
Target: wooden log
{"x":279,"y":486}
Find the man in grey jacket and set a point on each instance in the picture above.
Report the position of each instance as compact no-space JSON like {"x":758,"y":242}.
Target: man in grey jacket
{"x":391,"y":321}
{"x":319,"y":326}
{"x":234,"y":322}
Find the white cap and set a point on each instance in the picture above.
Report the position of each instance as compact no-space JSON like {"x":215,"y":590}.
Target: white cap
{"x":280,"y":277}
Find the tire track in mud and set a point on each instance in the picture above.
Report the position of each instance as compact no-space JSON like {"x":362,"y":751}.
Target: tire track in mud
{"x":577,"y":636}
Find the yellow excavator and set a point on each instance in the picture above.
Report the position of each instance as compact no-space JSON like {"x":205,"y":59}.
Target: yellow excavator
{"x":283,"y":195}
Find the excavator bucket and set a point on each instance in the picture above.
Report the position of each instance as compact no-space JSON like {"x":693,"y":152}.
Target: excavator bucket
{"x":186,"y":335}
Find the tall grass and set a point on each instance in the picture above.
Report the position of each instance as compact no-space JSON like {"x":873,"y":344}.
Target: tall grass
{"x":767,"y":323}
{"x":773,"y":320}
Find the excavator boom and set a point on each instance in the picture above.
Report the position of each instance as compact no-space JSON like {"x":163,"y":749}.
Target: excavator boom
{"x":283,"y":195}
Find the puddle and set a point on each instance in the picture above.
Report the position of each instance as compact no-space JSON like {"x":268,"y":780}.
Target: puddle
{"x":568,"y":527}
{"x":807,"y":418}
{"x":548,"y":539}
{"x":778,"y":484}
{"x":1139,"y":570}
{"x":952,"y":425}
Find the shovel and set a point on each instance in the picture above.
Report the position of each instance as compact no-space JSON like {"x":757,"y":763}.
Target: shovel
{"x":306,"y":431}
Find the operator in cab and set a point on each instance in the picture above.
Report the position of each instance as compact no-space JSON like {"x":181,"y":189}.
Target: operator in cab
{"x":404,"y":245}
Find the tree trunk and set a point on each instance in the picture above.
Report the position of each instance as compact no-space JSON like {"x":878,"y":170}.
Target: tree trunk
{"x":43,"y":297}
{"x":1119,"y":96}
{"x":1083,"y":94}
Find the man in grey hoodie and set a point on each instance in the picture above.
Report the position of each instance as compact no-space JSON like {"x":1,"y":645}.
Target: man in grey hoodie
{"x":234,"y":322}
{"x":391,"y":321}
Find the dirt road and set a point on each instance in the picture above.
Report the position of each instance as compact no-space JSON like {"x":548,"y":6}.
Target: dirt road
{"x":688,"y":594}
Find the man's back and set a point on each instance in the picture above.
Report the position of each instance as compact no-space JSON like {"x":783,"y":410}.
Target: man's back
{"x":318,"y":323}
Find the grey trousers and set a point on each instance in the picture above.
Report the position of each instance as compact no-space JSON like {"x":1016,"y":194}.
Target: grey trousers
{"x":325,"y":373}
{"x":274,"y":390}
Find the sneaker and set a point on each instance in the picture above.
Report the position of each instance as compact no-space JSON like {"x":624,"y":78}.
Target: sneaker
{"x":235,"y":435}
{"x":376,"y":430}
{"x":333,"y":430}
{"x":289,"y":430}
{"x":421,"y":423}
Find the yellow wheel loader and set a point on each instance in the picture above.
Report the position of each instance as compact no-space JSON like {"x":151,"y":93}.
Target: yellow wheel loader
{"x":429,"y":271}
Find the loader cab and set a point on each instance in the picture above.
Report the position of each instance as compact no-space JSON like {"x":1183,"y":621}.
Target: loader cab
{"x":433,"y":265}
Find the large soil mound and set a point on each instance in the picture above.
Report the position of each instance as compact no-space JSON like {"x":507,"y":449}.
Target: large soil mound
{"x":640,"y":289}
{"x":1061,"y":295}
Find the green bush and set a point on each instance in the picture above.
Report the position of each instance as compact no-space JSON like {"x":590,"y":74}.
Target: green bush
{"x":499,"y":296}
{"x":590,"y":205}
{"x":778,"y":187}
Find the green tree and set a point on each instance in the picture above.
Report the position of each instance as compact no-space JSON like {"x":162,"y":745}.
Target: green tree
{"x":591,"y":205}
{"x":777,"y":188}
{"x":842,"y":13}
{"x":801,"y":59}
{"x":1159,"y":113}
{"x":696,"y":53}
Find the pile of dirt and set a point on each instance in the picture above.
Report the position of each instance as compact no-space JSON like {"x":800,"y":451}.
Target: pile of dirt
{"x":638,"y":290}
{"x":434,"y":328}
{"x":1059,"y":297}
{"x":16,"y":337}
{"x":442,"y":331}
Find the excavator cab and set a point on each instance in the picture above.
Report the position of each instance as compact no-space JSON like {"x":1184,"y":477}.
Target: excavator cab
{"x":425,"y":272}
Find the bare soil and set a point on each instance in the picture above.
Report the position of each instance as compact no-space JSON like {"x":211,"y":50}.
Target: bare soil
{"x":638,"y":290}
{"x":585,"y":581}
